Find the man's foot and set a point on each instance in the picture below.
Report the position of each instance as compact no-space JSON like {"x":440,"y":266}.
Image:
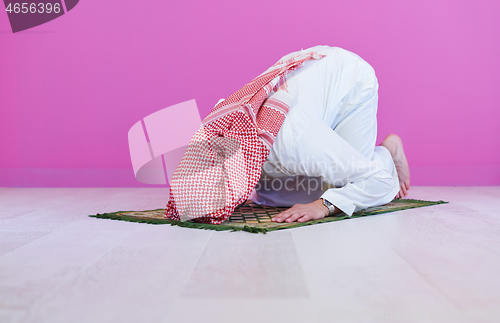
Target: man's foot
{"x":395,"y":146}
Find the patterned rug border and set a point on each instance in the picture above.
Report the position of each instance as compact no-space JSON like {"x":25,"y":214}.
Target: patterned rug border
{"x":252,"y":229}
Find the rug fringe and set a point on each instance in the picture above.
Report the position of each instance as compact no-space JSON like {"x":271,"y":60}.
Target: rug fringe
{"x":221,"y":227}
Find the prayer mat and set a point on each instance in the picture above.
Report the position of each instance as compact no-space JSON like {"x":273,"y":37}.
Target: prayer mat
{"x":256,"y":218}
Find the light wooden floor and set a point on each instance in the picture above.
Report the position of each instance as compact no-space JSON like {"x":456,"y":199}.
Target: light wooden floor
{"x":434,"y":264}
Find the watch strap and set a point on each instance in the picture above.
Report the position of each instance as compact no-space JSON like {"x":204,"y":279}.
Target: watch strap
{"x":330,"y":206}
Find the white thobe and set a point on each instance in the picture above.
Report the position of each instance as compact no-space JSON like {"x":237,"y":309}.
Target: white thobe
{"x":326,"y":145}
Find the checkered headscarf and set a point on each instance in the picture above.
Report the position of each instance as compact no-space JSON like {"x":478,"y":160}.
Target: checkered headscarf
{"x":223,"y":161}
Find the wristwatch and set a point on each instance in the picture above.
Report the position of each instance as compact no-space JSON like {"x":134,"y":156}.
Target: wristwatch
{"x":330,"y":206}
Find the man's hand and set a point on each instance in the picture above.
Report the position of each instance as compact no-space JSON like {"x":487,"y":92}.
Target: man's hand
{"x":303,"y":212}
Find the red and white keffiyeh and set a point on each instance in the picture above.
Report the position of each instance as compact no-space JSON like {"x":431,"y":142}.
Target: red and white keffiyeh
{"x":223,"y":161}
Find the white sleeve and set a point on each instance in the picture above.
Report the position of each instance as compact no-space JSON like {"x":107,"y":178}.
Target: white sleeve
{"x":379,"y":188}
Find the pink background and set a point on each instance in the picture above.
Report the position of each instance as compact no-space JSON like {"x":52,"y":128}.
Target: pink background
{"x":71,"y":89}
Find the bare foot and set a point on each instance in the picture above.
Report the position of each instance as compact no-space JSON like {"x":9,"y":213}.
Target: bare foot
{"x":395,"y":146}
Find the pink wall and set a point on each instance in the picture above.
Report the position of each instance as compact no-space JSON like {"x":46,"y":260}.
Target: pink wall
{"x":71,"y":89}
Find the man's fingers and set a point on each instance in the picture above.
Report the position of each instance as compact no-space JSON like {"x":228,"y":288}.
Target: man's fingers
{"x":283,"y":216}
{"x":304,"y":212}
{"x":286,"y":214}
{"x":278,"y":217}
{"x":305,"y":218}
{"x":294,"y":217}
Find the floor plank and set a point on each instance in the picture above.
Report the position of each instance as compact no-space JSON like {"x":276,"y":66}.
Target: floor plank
{"x":242,"y":265}
{"x":432,"y":264}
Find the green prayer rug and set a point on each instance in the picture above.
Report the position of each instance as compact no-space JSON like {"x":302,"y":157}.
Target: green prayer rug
{"x":256,"y":218}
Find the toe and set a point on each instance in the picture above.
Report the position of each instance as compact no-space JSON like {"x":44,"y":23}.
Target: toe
{"x":405,"y":191}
